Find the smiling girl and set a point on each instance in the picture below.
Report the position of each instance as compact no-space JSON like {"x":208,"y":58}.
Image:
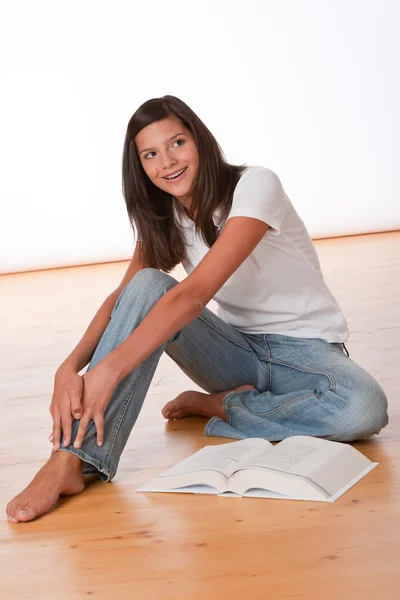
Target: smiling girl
{"x":272,"y":363}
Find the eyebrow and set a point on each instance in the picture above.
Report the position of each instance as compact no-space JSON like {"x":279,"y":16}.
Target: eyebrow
{"x":169,"y":140}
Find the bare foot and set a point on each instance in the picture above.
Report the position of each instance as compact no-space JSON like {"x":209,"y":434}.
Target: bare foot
{"x":199,"y":404}
{"x":61,"y":475}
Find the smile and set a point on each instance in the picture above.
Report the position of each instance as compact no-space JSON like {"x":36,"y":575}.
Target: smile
{"x":177,"y":176}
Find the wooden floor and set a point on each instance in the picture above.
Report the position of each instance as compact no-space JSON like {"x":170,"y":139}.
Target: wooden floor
{"x":110,"y":542}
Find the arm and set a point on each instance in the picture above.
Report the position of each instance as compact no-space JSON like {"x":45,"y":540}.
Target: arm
{"x":173,"y":311}
{"x":186,"y":301}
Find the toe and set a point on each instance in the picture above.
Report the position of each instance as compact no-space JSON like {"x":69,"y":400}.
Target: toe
{"x":168,"y":409}
{"x":178,"y":414}
{"x":12,"y":519}
{"x":20,"y":511}
{"x":25,"y":514}
{"x":10,"y":510}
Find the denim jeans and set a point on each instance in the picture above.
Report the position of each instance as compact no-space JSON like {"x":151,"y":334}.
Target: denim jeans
{"x":303,"y":386}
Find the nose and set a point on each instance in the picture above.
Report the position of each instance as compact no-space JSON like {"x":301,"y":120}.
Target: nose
{"x":168,"y":161}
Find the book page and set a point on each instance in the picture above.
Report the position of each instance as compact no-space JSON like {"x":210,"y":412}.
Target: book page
{"x":328,"y":465}
{"x":284,"y":456}
{"x":225,"y":458}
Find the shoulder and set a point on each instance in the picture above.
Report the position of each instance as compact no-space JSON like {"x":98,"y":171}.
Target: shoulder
{"x":259,"y":185}
{"x":258,"y":177}
{"x":259,"y":194}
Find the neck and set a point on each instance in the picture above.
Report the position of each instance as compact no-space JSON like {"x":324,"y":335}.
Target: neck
{"x":186,"y":204}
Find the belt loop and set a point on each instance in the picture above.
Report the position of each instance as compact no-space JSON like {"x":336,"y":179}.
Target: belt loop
{"x":345,"y":350}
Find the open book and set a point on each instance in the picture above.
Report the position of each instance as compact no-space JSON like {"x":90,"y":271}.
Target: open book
{"x":298,"y":468}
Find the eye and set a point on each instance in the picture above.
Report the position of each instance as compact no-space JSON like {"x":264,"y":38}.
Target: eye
{"x":148,"y":155}
{"x":180,"y":142}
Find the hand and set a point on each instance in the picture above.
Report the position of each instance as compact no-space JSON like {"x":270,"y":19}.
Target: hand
{"x":66,"y":401}
{"x":98,"y":387}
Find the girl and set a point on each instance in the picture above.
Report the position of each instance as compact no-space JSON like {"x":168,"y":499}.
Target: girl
{"x":272,"y":362}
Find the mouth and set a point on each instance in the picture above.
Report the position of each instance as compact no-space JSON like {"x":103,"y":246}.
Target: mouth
{"x":174,"y":177}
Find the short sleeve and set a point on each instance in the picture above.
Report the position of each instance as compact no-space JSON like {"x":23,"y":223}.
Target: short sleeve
{"x":259,"y":194}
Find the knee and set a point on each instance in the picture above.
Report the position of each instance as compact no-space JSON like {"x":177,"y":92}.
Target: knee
{"x":367,"y":411}
{"x":152,"y":279}
{"x":375,"y":411}
{"x":145,"y":288}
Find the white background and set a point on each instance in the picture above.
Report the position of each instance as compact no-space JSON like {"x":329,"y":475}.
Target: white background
{"x":308,"y":88}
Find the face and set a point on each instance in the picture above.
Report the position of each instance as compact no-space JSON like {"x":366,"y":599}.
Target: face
{"x":169,"y":157}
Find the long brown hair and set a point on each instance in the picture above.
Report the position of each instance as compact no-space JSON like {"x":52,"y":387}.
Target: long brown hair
{"x":150,"y":209}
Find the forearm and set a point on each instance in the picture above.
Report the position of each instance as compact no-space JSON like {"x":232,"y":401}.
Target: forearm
{"x":171,"y":313}
{"x":83,"y":352}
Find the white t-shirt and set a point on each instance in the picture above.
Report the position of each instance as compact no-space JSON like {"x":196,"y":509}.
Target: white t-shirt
{"x":279,"y":288}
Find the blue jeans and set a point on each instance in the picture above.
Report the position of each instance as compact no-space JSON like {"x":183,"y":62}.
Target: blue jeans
{"x":303,"y":386}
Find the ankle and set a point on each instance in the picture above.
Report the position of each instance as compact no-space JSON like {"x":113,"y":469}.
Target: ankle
{"x":67,"y":459}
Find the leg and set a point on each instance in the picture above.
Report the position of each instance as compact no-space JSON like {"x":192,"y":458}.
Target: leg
{"x":198,"y":404}
{"x":63,"y":472}
{"x":314,"y":390}
{"x":218,"y":358}
{"x":224,"y":357}
{"x":133,"y":305}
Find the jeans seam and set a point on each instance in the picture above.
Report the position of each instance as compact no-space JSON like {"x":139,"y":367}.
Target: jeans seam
{"x":267,"y":351}
{"x":209,"y":425}
{"x":225,"y":405}
{"x":248,"y":349}
{"x":276,"y":410}
{"x":121,"y":416}
{"x":307,"y":370}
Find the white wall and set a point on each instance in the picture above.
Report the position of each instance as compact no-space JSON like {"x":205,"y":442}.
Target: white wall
{"x":307,"y":88}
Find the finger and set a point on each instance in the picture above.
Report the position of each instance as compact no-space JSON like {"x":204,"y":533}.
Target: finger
{"x":99,"y":422}
{"x":75,"y":399}
{"x":56,"y":432}
{"x":81,"y":431}
{"x":66,"y":421}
